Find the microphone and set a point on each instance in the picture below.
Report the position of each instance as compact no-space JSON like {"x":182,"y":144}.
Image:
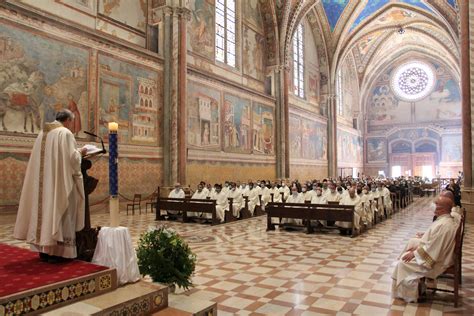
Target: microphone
{"x":91,"y":134}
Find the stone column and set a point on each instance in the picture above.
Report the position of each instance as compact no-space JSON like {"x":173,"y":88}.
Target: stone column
{"x":332,"y":135}
{"x":174,"y":94}
{"x":466,"y":12}
{"x":282,"y":119}
{"x":167,"y":86}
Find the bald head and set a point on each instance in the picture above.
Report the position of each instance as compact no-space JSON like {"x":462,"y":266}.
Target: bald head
{"x":448,"y":194}
{"x":443,"y":205}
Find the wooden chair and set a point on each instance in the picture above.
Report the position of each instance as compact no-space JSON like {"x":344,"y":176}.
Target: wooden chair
{"x":454,"y":271}
{"x":137,"y":200}
{"x":151,"y":202}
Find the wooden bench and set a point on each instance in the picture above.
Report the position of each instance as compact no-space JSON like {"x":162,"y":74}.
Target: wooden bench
{"x":308,"y":212}
{"x":186,"y":205}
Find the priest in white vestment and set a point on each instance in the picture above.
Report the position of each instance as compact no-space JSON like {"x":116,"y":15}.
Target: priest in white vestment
{"x":253,"y":196}
{"x":237,"y":200}
{"x":332,"y":195}
{"x":387,"y":201}
{"x":285,"y":189}
{"x":351,"y":199}
{"x":426,"y":256}
{"x":52,"y":207}
{"x":295,"y":197}
{"x":276,"y":193}
{"x":222,"y":203}
{"x":177,"y":193}
{"x":319,"y":198}
{"x":200,"y":194}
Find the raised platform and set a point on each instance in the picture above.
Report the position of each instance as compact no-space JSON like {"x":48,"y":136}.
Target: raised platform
{"x":140,"y":298}
{"x":29,"y":285}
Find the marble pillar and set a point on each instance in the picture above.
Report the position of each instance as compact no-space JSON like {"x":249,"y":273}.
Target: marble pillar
{"x":466,"y":12}
{"x":282,"y":119}
{"x":167,"y":83}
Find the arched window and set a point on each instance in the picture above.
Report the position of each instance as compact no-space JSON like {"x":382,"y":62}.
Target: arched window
{"x":225,"y":31}
{"x":298,"y":62}
{"x":339,"y":99}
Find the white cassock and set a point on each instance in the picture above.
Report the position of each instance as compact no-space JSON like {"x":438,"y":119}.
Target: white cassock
{"x":368,"y":209}
{"x":319,"y":200}
{"x":307,"y":196}
{"x":333,"y":197}
{"x":387,"y":201}
{"x":276,"y":195}
{"x":206,"y":191}
{"x":293,"y":199}
{"x":347,"y":200}
{"x":52,"y":207}
{"x":175,"y":195}
{"x":221,"y":204}
{"x":286,"y":191}
{"x":265,"y":192}
{"x":254,"y":200}
{"x":237,"y":202}
{"x":199,"y":196}
{"x":433,"y":255}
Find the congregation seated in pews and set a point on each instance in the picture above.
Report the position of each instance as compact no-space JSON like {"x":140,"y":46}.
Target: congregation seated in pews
{"x":371,"y":200}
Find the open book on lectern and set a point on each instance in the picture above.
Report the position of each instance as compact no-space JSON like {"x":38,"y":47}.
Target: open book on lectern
{"x":92,"y":150}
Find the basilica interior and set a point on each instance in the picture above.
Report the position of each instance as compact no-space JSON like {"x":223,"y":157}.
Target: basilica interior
{"x":222,"y":91}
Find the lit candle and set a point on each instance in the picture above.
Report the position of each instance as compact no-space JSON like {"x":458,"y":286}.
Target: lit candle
{"x":113,"y":127}
{"x":113,"y":174}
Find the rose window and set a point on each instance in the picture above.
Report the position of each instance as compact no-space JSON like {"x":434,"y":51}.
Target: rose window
{"x":413,"y":81}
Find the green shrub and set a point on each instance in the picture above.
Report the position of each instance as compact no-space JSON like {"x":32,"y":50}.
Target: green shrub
{"x":166,"y":257}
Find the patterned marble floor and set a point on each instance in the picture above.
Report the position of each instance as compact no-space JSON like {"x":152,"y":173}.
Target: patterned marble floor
{"x":247,"y":270}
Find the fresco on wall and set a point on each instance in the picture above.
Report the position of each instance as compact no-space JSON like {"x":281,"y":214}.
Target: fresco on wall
{"x":308,"y":139}
{"x":129,"y":94}
{"x":373,"y":6}
{"x":349,"y":147}
{"x":201,"y":28}
{"x":263,"y":128}
{"x":88,"y":6}
{"x":130,"y":13}
{"x":40,"y":76}
{"x":295,"y":136}
{"x":254,"y":52}
{"x":334,"y":9}
{"x":312,"y":69}
{"x":237,"y":128}
{"x":452,"y":148}
{"x":350,"y":89}
{"x":443,"y":103}
{"x":203,"y":116}
{"x":376,"y":150}
{"x":252,"y":14}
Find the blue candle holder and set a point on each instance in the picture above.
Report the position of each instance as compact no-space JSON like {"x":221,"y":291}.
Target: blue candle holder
{"x":113,"y":164}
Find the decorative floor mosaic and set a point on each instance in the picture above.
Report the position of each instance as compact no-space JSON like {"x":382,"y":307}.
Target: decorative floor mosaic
{"x":249,"y":271}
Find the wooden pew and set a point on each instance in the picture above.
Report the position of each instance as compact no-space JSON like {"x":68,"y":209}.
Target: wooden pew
{"x":186,"y":205}
{"x":308,"y":212}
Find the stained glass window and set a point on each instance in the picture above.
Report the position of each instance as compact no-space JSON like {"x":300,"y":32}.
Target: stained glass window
{"x":413,"y":81}
{"x":298,"y":62}
{"x":225,"y":31}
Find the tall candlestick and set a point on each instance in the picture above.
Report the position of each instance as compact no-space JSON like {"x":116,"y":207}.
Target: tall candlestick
{"x":113,"y":175}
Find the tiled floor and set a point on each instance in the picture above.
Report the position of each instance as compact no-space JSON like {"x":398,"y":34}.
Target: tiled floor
{"x":250,"y":271}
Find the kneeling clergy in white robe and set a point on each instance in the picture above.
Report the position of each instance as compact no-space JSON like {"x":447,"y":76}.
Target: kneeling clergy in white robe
{"x":200,"y":194}
{"x":351,"y":199}
{"x":428,"y":256}
{"x":52,"y":207}
{"x":177,"y":193}
{"x":295,"y":197}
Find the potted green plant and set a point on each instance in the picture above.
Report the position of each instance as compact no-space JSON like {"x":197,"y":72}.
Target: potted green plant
{"x":166,"y":258}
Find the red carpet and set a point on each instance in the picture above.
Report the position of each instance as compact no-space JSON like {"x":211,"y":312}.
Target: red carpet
{"x":21,"y":270}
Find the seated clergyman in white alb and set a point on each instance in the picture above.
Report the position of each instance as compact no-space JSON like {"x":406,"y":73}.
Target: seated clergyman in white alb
{"x":351,"y":199}
{"x":177,"y":193}
{"x":253,"y":195}
{"x":428,"y":255}
{"x":237,"y":200}
{"x":295,"y":197}
{"x":200,"y":194}
{"x":319,"y":198}
{"x":222,"y":202}
{"x":332,"y":195}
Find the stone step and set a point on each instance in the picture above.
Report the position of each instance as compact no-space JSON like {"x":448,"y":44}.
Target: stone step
{"x":181,"y":305}
{"x":140,"y":298}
